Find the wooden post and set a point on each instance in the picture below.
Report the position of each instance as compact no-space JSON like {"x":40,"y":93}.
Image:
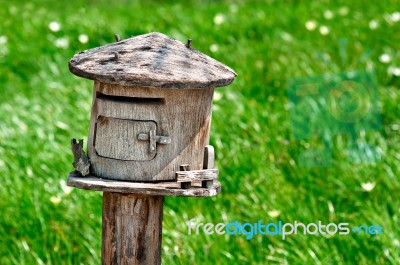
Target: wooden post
{"x":133,"y":212}
{"x":132,"y":229}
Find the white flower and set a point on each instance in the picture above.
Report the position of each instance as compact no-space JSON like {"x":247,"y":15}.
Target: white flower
{"x":324,"y":30}
{"x":214,"y":47}
{"x":311,"y":25}
{"x":286,"y":36}
{"x":328,"y":14}
{"x":395,"y":17}
{"x":62,"y":42}
{"x":55,"y":200}
{"x":3,"y":40}
{"x":83,"y":38}
{"x":373,"y":24}
{"x":61,"y":125}
{"x":66,"y":189}
{"x":368,"y":186}
{"x":29,"y":171}
{"x":217,"y":96}
{"x":25,"y":245}
{"x":274,"y":213}
{"x":344,"y":10}
{"x":392,"y":18}
{"x":385,"y":58}
{"x":54,"y":26}
{"x":219,"y":19}
{"x":386,"y":252}
{"x":394,"y":70}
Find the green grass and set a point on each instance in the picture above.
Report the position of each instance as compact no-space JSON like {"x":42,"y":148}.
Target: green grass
{"x":43,"y":106}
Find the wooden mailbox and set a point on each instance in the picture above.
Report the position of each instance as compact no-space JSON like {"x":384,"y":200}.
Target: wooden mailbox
{"x":149,"y":135}
{"x":152,"y":105}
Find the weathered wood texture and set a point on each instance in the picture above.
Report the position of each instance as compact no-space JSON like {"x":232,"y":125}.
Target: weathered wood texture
{"x":81,"y":161}
{"x":209,"y":157}
{"x":156,"y":189}
{"x":117,"y":151}
{"x":204,"y":174}
{"x":185,"y":184}
{"x":132,"y":227}
{"x":152,"y":60}
{"x":118,"y":139}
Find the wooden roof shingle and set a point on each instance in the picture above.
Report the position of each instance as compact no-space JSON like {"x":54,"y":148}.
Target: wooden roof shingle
{"x":151,"y":60}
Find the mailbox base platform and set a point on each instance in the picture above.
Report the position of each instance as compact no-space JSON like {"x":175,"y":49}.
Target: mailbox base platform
{"x":138,"y":188}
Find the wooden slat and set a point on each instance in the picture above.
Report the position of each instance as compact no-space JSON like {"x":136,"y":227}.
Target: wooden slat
{"x":185,"y":184}
{"x":157,"y":189}
{"x":205,"y":174}
{"x":209,"y":157}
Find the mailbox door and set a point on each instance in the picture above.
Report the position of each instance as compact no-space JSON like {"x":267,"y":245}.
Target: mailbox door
{"x":118,"y":139}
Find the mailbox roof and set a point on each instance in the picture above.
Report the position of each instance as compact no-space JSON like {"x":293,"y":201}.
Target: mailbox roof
{"x":151,"y":60}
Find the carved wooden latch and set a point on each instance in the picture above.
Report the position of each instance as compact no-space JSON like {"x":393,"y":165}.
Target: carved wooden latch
{"x":153,"y":140}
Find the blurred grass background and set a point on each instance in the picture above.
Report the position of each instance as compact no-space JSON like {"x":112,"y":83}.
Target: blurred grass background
{"x":43,"y":106}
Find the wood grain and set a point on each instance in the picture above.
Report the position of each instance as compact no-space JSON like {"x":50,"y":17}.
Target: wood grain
{"x":81,"y":160}
{"x":140,"y":188}
{"x":118,"y":139}
{"x":185,"y":184}
{"x":209,"y":157}
{"x":132,"y":229}
{"x":152,"y":60}
{"x":205,"y":174}
{"x":184,"y":117}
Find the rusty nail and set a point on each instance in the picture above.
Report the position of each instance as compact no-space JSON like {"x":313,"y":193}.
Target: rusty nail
{"x":117,"y":38}
{"x":189,"y":43}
